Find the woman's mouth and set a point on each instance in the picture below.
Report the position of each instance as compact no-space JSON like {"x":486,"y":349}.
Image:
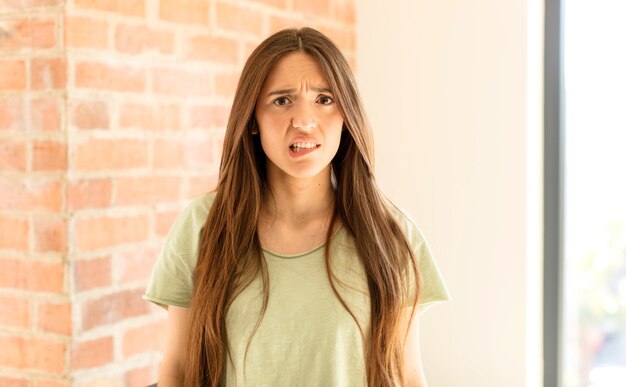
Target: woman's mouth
{"x":298,"y":149}
{"x":298,"y":146}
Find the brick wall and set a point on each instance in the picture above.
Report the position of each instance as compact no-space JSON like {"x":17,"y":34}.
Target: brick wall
{"x":112,"y":114}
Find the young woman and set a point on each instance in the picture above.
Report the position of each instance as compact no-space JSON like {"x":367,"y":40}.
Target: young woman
{"x":296,"y":271}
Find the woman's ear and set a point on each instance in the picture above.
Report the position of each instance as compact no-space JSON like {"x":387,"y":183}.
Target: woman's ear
{"x":255,"y":128}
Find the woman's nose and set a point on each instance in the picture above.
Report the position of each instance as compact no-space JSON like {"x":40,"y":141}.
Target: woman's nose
{"x":304,"y":118}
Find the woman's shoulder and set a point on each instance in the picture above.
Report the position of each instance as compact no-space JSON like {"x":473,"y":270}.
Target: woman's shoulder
{"x":198,"y":207}
{"x":433,"y":287}
{"x":407,"y":224}
{"x":171,"y":280}
{"x":190,"y":221}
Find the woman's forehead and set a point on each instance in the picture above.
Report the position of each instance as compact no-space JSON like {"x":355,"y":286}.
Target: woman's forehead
{"x":292,"y":70}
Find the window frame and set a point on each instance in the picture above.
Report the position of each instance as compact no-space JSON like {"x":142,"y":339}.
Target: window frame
{"x":553,"y":195}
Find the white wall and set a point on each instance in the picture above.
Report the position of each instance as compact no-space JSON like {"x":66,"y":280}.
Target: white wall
{"x":453,"y":91}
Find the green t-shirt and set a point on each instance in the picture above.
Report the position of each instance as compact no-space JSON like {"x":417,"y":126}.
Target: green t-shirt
{"x":306,"y":337}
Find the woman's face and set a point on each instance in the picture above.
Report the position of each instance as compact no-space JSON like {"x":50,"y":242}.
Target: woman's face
{"x":298,"y":119}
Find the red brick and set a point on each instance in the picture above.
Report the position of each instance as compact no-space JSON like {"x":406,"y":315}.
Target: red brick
{"x":51,"y":383}
{"x":217,"y":145}
{"x":11,"y":114}
{"x":44,"y":114}
{"x":318,"y":8}
{"x":168,"y":154}
{"x":241,"y":20}
{"x":24,"y":4}
{"x":144,"y":339}
{"x":184,"y":11}
{"x":217,"y":140}
{"x":85,"y":32}
{"x":226,"y":85}
{"x":164,"y":221}
{"x":146,"y":190}
{"x":139,"y":377}
{"x":92,"y":353}
{"x":11,"y":382}
{"x":25,"y":34}
{"x":92,"y":273}
{"x":13,"y":38}
{"x":214,"y":48}
{"x":95,"y":75}
{"x":50,"y":234}
{"x":122,"y":7}
{"x":14,"y":312}
{"x":55,"y":318}
{"x":209,"y":117}
{"x":278,"y":23}
{"x":31,"y":275}
{"x":48,"y":73}
{"x":21,"y":114}
{"x":248,"y":48}
{"x":200,"y":152}
{"x":49,"y":156}
{"x":282,"y":4}
{"x":42,"y":33}
{"x":135,"y":39}
{"x":102,"y":232}
{"x":136,"y":265}
{"x":91,"y":193}
{"x":103,"y":154}
{"x":113,"y":308}
{"x":104,"y":381}
{"x":30,"y":195}
{"x":13,"y":233}
{"x":12,"y":155}
{"x":36,"y":354}
{"x":151,"y":117}
{"x":12,"y":75}
{"x":201,"y":185}
{"x":90,"y":114}
{"x":343,"y":10}
{"x":182,"y":82}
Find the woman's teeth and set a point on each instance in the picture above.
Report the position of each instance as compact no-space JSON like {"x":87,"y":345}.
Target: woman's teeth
{"x":302,"y":145}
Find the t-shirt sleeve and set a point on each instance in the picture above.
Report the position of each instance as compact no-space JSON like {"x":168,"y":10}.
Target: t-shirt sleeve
{"x":171,"y":280}
{"x":172,"y":275}
{"x":432,"y":286}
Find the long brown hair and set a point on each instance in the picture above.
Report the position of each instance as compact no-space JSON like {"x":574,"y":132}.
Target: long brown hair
{"x":230,"y":254}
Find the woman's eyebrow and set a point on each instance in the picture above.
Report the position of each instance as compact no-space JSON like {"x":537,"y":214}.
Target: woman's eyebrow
{"x":291,"y":91}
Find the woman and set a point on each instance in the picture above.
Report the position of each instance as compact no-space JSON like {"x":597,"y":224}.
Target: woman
{"x":296,"y":271}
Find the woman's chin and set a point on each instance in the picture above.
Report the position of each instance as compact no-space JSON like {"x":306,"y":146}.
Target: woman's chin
{"x":301,"y":173}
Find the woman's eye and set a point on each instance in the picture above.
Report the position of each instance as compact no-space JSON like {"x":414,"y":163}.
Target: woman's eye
{"x":281,"y":101}
{"x":324,"y":100}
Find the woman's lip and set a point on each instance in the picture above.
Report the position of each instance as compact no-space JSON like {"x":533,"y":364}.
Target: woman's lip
{"x":302,"y":152}
{"x":304,"y":139}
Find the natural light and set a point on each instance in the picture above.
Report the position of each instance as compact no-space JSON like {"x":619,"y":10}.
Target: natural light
{"x":595,"y":193}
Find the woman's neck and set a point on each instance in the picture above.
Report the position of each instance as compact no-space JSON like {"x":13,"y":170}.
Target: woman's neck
{"x":296,"y":214}
{"x":297,"y":201}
